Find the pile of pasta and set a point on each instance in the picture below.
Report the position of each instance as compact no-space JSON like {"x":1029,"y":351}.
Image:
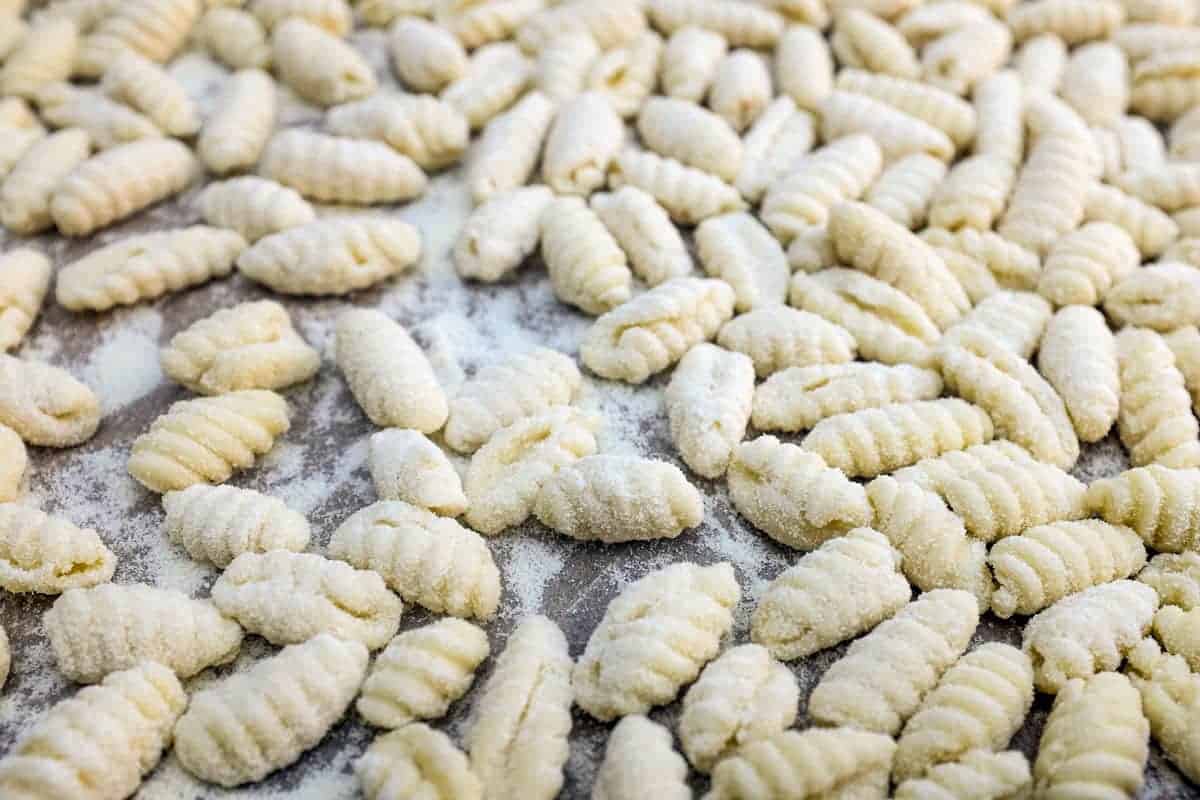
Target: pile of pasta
{"x":942,"y":245}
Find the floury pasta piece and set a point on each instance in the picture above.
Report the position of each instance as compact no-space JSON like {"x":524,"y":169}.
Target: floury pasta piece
{"x":147,"y":87}
{"x":1014,"y":319}
{"x":1155,"y":420}
{"x":777,"y":337}
{"x":644,"y":230}
{"x":46,"y":55}
{"x":157,"y":29}
{"x":236,"y":134}
{"x":422,"y":672}
{"x":804,"y":65}
{"x":1176,"y":578}
{"x":639,"y":758}
{"x":900,"y":134}
{"x":655,"y":638}
{"x":584,"y":139}
{"x":1050,"y":195}
{"x":690,"y":134}
{"x":905,"y":188}
{"x":1078,"y":356}
{"x":980,"y":775}
{"x":254,"y":207}
{"x":1011,"y":265}
{"x":26,"y":193}
{"x":332,"y":15}
{"x":429,"y":560}
{"x":751,"y":27}
{"x":235,"y":38}
{"x":425,"y":129}
{"x":1074,"y":21}
{"x":938,"y":107}
{"x":248,"y":346}
{"x":1162,"y":297}
{"x":799,"y":398}
{"x":108,"y":122}
{"x":1179,"y":632}
{"x":100,"y":630}
{"x":708,"y":401}
{"x":65,"y":754}
{"x":333,"y":256}
{"x":406,"y":466}
{"x":501,"y":233}
{"x":653,"y":331}
{"x":387,"y":372}
{"x":338,"y":76}
{"x":277,"y":709}
{"x":418,"y":759}
{"x":517,"y":738}
{"x":741,"y":88}
{"x":49,"y":555}
{"x":509,"y":147}
{"x":205,"y":440}
{"x":974,"y":193}
{"x":1171,"y":703}
{"x":1164,"y":87}
{"x":333,"y":169}
{"x":611,"y":24}
{"x":1096,"y":83}
{"x":626,"y":76}
{"x":960,"y":59}
{"x":44,"y":405}
{"x":563,"y":65}
{"x":780,"y":137}
{"x":147,"y":266}
{"x":737,"y":249}
{"x":426,"y":56}
{"x":883,"y":677}
{"x":507,"y":473}
{"x":477,"y":24}
{"x":13,"y":461}
{"x":862,"y":40}
{"x":846,"y":587}
{"x":792,"y":495}
{"x":520,"y":386}
{"x":218,"y":523}
{"x":689,"y":62}
{"x":1161,"y":504}
{"x":618,"y":499}
{"x":978,"y":704}
{"x":288,"y":598}
{"x":689,"y":195}
{"x":120,"y":182}
{"x":587,"y":267}
{"x":26,"y":280}
{"x":497,"y":76}
{"x":1082,"y":266}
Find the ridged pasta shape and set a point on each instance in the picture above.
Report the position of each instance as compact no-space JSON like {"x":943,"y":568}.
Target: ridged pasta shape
{"x":99,"y":743}
{"x":618,"y":499}
{"x":416,"y":761}
{"x":99,"y":630}
{"x":690,"y":134}
{"x":750,"y":27}
{"x":708,"y":402}
{"x":1183,"y":138}
{"x":428,"y":560}
{"x":1088,"y":632}
{"x":1082,"y":266}
{"x":1050,"y":195}
{"x":207,"y":439}
{"x":13,"y":461}
{"x":1074,"y":21}
{"x":49,"y":554}
{"x":804,"y":65}
{"x":1159,"y":503}
{"x":644,"y":230}
{"x":974,"y":193}
{"x":430,"y":132}
{"x":1151,"y":229}
{"x":583,"y":140}
{"x":501,"y":233}
{"x":999,"y":117}
{"x":743,"y":696}
{"x":1162,"y":297}
{"x":1179,"y":632}
{"x":610,"y":24}
{"x":332,"y":15}
{"x":1155,"y":420}
{"x":508,"y":149}
{"x":904,"y":190}
{"x":883,"y":677}
{"x":518,"y":734}
{"x":898,"y":133}
{"x":563,"y":65}
{"x":864,"y":41}
{"x":157,"y":29}
{"x":625,"y":77}
{"x":1011,"y":265}
{"x":979,"y":775}
{"x":1017,"y":320}
{"x":655,"y":638}
{"x":1170,"y":187}
{"x":235,"y":38}
{"x":689,"y":195}
{"x":654,"y":330}
{"x":147,"y":87}
{"x":425,"y":56}
{"x":421,"y":672}
{"x":45,"y":405}
{"x":26,"y":281}
{"x":780,"y":137}
{"x":640,"y":757}
{"x":1096,"y":741}
{"x":941,"y":109}
{"x":778,"y":338}
{"x":333,"y":169}
{"x":120,"y":182}
{"x":478,"y":23}
{"x":406,"y":466}
{"x":333,"y":256}
{"x":1096,"y":83}
{"x":21,"y":128}
{"x":1078,"y":357}
{"x":813,"y":763}
{"x":254,"y":207}
{"x":792,"y":495}
{"x":689,"y":62}
{"x":1164,"y":85}
{"x":978,"y":704}
{"x":217,"y":524}
{"x":109,"y":123}
{"x":496,"y":78}
{"x":844,"y":588}
{"x":1171,"y":703}
{"x":741,"y":88}
{"x":960,"y":59}
{"x":46,"y":55}
{"x":1176,"y":578}
{"x":340,"y":75}
{"x":236,"y":134}
{"x":261,"y":720}
{"x":587,"y":267}
{"x":26,"y":192}
{"x":737,"y":249}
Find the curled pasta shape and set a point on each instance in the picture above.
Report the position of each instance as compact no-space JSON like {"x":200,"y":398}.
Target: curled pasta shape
{"x":254,"y":207}
{"x":610,"y":24}
{"x":645,"y":232}
{"x":425,"y":55}
{"x":1096,"y":83}
{"x":1049,"y":198}
{"x":862,"y":40}
{"x":1000,"y":123}
{"x":1162,"y":297}
{"x":689,"y":195}
{"x":582,"y":142}
{"x":1158,"y":502}
{"x":45,"y":405}
{"x":1011,"y":265}
{"x":563,"y":65}
{"x":49,"y":555}
{"x":779,"y":138}
{"x":640,"y":758}
{"x":959,"y":60}
{"x":943,"y":110}
{"x":430,"y":132}
{"x":332,"y":169}
{"x":898,"y":133}
{"x":1074,"y":21}
{"x":741,"y":89}
{"x":1176,"y":578}
{"x":496,"y":78}
{"x":107,"y":122}
{"x":1171,"y":187}
{"x":979,"y":774}
{"x":905,"y":189}
{"x":689,"y":62}
{"x":340,"y":75}
{"x":1151,"y":229}
{"x":739,"y":250}
{"x":235,"y":38}
{"x":587,"y":267}
{"x":625,"y":77}
{"x":1082,"y":266}
{"x":235,"y":136}
{"x":1170,"y":701}
{"x":21,"y":127}
{"x":778,"y":337}
{"x":690,"y":134}
{"x":974,"y":193}
{"x":332,"y":15}
{"x":26,"y":281}
{"x":924,"y":24}
{"x":406,"y":466}
{"x":147,"y":87}
{"x":13,"y":461}
{"x":1184,"y":136}
{"x":1164,"y":85}
{"x":804,"y":64}
{"x":419,"y":759}
{"x":509,"y":148}
{"x":1179,"y":632}
{"x":219,"y":523}
{"x":157,"y":29}
{"x":750,"y":27}
{"x":1078,"y":356}
{"x":501,"y":233}
{"x":477,"y":24}
{"x":1155,"y":420}
{"x":46,"y":55}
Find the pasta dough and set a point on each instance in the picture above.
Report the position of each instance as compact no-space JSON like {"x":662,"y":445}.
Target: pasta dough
{"x":13,"y":460}
{"x":1176,"y":578}
{"x":587,"y":268}
{"x":501,"y":233}
{"x":708,"y":403}
{"x":44,"y":405}
{"x":333,"y":169}
{"x":338,"y":76}
{"x":234,"y":137}
{"x":778,"y":337}
{"x":639,"y":759}
{"x":48,"y":554}
{"x":979,"y":775}
{"x":416,"y":758}
{"x":430,"y":132}
{"x":1155,"y":420}
{"x":406,"y":466}
{"x":254,"y":207}
{"x":689,"y":195}
{"x":26,"y":192}
{"x":1078,"y":357}
{"x":739,"y":250}
{"x":583,"y":140}
{"x":1170,"y":701}
{"x":26,"y":280}
{"x":645,"y":232}
{"x":218,"y":523}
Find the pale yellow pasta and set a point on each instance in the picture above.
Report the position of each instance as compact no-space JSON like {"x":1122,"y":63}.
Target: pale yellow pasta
{"x":338,"y":76}
{"x":1184,"y":136}
{"x":45,"y":56}
{"x":12,"y":466}
{"x":1096,"y":83}
{"x":798,"y":398}
{"x":779,"y":138}
{"x":1188,"y":220}
{"x":739,"y":250}
{"x":973,"y":195}
{"x":1151,"y":229}
{"x":1172,"y":187}
{"x":1166,"y":12}
{"x":1050,"y":195}
{"x":689,"y":62}
{"x":1165,"y":85}
{"x":1084,"y":265}
{"x":25,"y":209}
{"x":904,"y":190}
{"x":1185,"y":345}
{"x":254,"y":207}
{"x":509,"y":148}
{"x":611,"y":24}
{"x":752,"y":26}
{"x":563,"y":65}
{"x":425,"y":56}
{"x":1171,"y":703}
{"x":234,"y":37}
{"x":778,"y":337}
{"x":644,"y":230}
{"x":807,"y":12}
{"x":625,"y":77}
{"x":804,"y":66}
{"x":108,"y":122}
{"x":477,"y":23}
{"x":1141,"y":144}
{"x":587,"y":267}
{"x":1185,"y":251}
{"x":1078,"y":357}
{"x":1011,"y":265}
{"x":741,"y":89}
{"x":1074,"y":21}
{"x":26,"y":280}
{"x":978,"y":775}
{"x":689,"y":195}
{"x":1176,"y":577}
{"x":20,"y":129}
{"x":147,"y":87}
{"x":923,"y":24}
{"x":897,"y":133}
{"x":218,"y":523}
{"x":49,"y":554}
{"x":416,"y":758}
{"x":864,"y":41}
{"x":501,"y":233}
{"x":333,"y":169}
{"x":497,"y":76}
{"x":1179,"y":632}
{"x":639,"y":759}
{"x":811,"y":250}
{"x":960,"y":60}
{"x":234,"y":137}
{"x":690,"y":134}
{"x":708,"y":403}
{"x":1155,"y":422}
{"x":425,"y":129}
{"x":885,"y":9}
{"x":1157,"y":502}
{"x":1000,"y":125}
{"x":332,"y":15}
{"x":583,"y":140}
{"x":157,"y":29}
{"x":45,"y":405}
{"x":406,"y":465}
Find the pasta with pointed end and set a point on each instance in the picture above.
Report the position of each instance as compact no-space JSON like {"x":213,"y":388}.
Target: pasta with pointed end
{"x":26,"y":192}
{"x":422,"y":672}
{"x":501,"y":233}
{"x":338,"y":76}
{"x":518,"y":735}
{"x":416,"y":761}
{"x":741,"y":89}
{"x":645,"y":232}
{"x":1176,"y":578}
{"x":883,"y":677}
{"x":147,"y":87}
{"x":862,"y":40}
{"x":157,"y":29}
{"x":1170,"y":694}
{"x":753,"y":26}
{"x":254,"y":207}
{"x":100,"y":630}
{"x":1179,"y":632}
{"x":1050,"y":195}
{"x":625,"y":77}
{"x":798,"y":398}
{"x":332,"y":169}
{"x":654,"y":330}
{"x":778,"y":139}
{"x":690,"y":61}
{"x":898,"y":134}
{"x":49,"y":555}
{"x":690,"y":134}
{"x":563,"y":65}
{"x":1155,"y":420}
{"x":655,"y":638}
{"x":904,"y":190}
{"x":639,"y":759}
{"x":332,"y":256}
{"x":108,"y":122}
{"x":941,"y":109}
{"x":219,"y":523}
{"x":583,"y":140}
{"x":740,"y":251}
{"x":587,"y":267}
{"x":1162,"y":297}
{"x":618,"y":499}
{"x":978,"y":775}
{"x":26,"y":279}
{"x":974,"y":193}
{"x":45,"y":405}
{"x":1159,"y":503}
{"x":960,"y":60}
{"x":426,"y":56}
{"x":46,"y":55}
{"x":1165,"y":86}
{"x":478,"y":23}
{"x":689,"y":195}
{"x":778,"y":337}
{"x":846,"y":587}
{"x":496,"y":78}
{"x":1011,"y":265}
{"x":509,"y":147}
{"x":279,"y":708}
{"x":1082,"y":266}
{"x":1171,"y":187}
{"x":235,"y":136}
{"x":235,"y":38}
{"x":978,"y":704}
{"x":66,"y":754}
{"x":430,"y":132}
{"x":406,"y":466}
{"x":924,"y":24}
{"x":13,"y":460}
{"x":1078,"y":357}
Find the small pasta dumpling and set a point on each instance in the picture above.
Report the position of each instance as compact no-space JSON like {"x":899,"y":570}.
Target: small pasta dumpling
{"x":689,"y":195}
{"x":1155,"y":420}
{"x":708,"y":405}
{"x":583,"y":140}
{"x":427,"y":130}
{"x":752,"y":26}
{"x":897,"y":133}
{"x":693,"y":135}
{"x":1165,"y":85}
{"x":406,"y":466}
{"x":1074,"y":21}
{"x":27,"y":191}
{"x":779,"y":138}
{"x":564,"y":63}
{"x":218,"y":523}
{"x":332,"y":15}
{"x":45,"y":405}
{"x":416,"y":758}
{"x":804,"y":66}
{"x":777,"y":337}
{"x":864,"y":41}
{"x":254,"y":207}
{"x":26,"y":280}
{"x":157,"y":29}
{"x":338,"y":76}
{"x":625,"y":77}
{"x":640,"y":758}
{"x":508,"y":150}
{"x":1078,"y":356}
{"x":497,"y":76}
{"x":427,"y":57}
{"x":45,"y":56}
{"x":644,"y":230}
{"x":737,"y":249}
{"x":741,"y":89}
{"x":798,"y":398}
{"x":1154,"y":501}
{"x":958,"y":61}
{"x":1096,"y":83}
{"x":501,"y":233}
{"x":1000,"y":120}
{"x":141,"y":83}
{"x":49,"y":554}
{"x":234,"y":137}
{"x":587,"y":267}
{"x":1085,"y":264}
{"x":235,"y":38}
{"x":334,"y":169}
{"x":689,"y":62}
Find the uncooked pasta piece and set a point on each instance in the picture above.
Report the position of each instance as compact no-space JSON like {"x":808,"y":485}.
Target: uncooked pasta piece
{"x":430,"y":132}
{"x":811,"y":251}
{"x":156,"y":29}
{"x":753,"y":26}
{"x":418,"y":759}
{"x":518,"y":387}
{"x":1074,"y":21}
{"x":381,"y":13}
{"x":1188,"y":220}
{"x":844,"y":588}
{"x":690,"y":61}
{"x":20,"y":129}
{"x":804,"y":66}
{"x":141,"y":83}
{"x":1155,"y":420}
{"x":904,"y":190}
{"x":880,"y":681}
{"x":108,"y":123}
{"x":13,"y":461}
{"x":1081,"y":267}
{"x":254,"y":207}
{"x":708,"y":405}
{"x":739,"y":250}
{"x":1078,"y":357}
{"x":218,"y":523}
{"x":654,"y":330}
{"x":1159,"y":503}
{"x":1165,"y":85}
{"x":332,"y":15}
{"x":478,"y":23}
{"x":690,"y":134}
{"x":234,"y":37}
{"x":1185,"y":346}
{"x":421,"y":672}
{"x":333,"y":169}
{"x":778,"y":337}
{"x":1184,"y":136}
{"x":978,"y":704}
{"x":277,"y":709}
{"x":1151,"y":229}
{"x":46,"y":55}
{"x":779,"y":138}
{"x":1011,"y":265}
{"x":47,"y":554}
{"x":497,"y":76}
{"x":625,"y":77}
{"x":406,"y":466}
{"x":564,"y":63}
{"x":897,"y":133}
{"x":611,"y":24}
{"x":1162,"y":297}
{"x":584,"y":139}
{"x":741,"y":89}
{"x":1000,"y":126}
{"x":618,"y":499}
{"x":1185,"y":251}
{"x":978,"y":775}
{"x":974,"y":193}
{"x":1140,"y":144}
{"x":1096,"y":83}
{"x":587,"y":267}
{"x":45,"y":405}
{"x":644,"y":230}
{"x":792,"y":495}
{"x":1050,"y":195}
{"x":24,"y":286}
{"x":639,"y":759}
{"x":235,"y":136}
{"x":66,"y":754}
{"x":334,"y":256}
{"x":426,"y":56}
{"x":689,"y":195}
{"x":205,"y":440}
{"x":1170,"y":694}
{"x":1179,"y":632}
{"x":798,"y":398}
{"x":338,"y":76}
{"x":387,"y":372}
{"x":1164,"y":12}
{"x":923,"y":24}
{"x":655,"y":638}
{"x":864,"y":41}
{"x":120,"y":182}
{"x":1171,"y":187}
{"x":99,"y":630}
{"x":1176,"y":578}
{"x":508,"y":150}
